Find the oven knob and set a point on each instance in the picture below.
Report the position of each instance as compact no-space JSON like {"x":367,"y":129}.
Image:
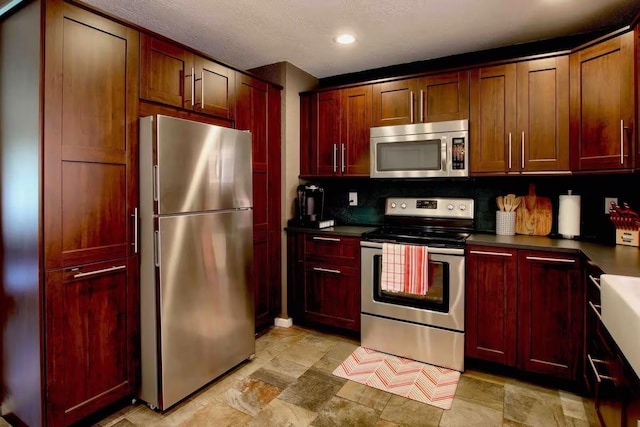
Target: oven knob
{"x":462,"y":207}
{"x":450,"y":207}
{"x":393,"y":205}
{"x":403,"y":206}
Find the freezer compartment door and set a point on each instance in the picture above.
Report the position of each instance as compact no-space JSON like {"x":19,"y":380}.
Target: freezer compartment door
{"x":205,"y":302}
{"x":201,"y":167}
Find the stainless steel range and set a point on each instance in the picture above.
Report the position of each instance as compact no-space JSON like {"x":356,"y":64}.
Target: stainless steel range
{"x":424,"y":322}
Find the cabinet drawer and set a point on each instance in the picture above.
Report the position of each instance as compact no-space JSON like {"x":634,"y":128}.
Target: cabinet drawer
{"x":337,"y":248}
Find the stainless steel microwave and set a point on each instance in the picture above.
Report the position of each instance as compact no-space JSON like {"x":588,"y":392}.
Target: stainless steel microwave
{"x":425,"y":150}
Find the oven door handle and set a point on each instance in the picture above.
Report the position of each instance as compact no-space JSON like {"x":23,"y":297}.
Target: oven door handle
{"x":432,"y":250}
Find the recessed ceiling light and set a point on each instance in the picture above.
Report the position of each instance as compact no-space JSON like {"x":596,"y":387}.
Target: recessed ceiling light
{"x":345,"y":39}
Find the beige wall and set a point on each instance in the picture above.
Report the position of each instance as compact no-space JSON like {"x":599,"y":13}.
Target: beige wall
{"x":293,"y":80}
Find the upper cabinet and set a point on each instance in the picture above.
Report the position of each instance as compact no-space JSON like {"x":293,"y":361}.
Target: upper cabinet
{"x":419,"y":100}
{"x":602,"y":105}
{"x":520,"y":117}
{"x":172,"y":75}
{"x":337,"y":143}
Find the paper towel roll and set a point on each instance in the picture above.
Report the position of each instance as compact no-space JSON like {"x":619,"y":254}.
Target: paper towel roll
{"x":569,"y":216}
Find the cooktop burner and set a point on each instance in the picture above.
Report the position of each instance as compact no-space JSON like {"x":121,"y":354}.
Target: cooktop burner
{"x":426,"y":221}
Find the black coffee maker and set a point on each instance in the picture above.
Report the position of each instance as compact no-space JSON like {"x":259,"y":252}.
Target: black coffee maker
{"x":310,"y":207}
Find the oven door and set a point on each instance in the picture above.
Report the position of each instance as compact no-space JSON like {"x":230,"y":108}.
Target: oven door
{"x":442,"y":306}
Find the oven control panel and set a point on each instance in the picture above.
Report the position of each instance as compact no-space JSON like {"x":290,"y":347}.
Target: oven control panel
{"x":430,"y":207}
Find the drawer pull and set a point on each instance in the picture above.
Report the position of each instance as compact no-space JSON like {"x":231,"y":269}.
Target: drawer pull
{"x":326,"y":239}
{"x":565,"y":260}
{"x":326,"y":270}
{"x":104,"y":270}
{"x":595,"y":308}
{"x":599,"y":377}
{"x":595,"y":281}
{"x":491,"y":253}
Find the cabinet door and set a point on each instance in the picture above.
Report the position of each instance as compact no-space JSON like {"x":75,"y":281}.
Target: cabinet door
{"x":394,"y":103}
{"x":493,"y":118}
{"x":332,"y":295}
{"x":602,"y":105}
{"x":252,"y":116}
{"x":326,"y":131}
{"x":550,"y":313}
{"x":356,"y":124}
{"x":91,"y":338}
{"x":443,"y":97}
{"x":543,"y":115}
{"x":166,"y":73}
{"x":214,"y":88}
{"x":491,"y":304}
{"x":90,"y":140}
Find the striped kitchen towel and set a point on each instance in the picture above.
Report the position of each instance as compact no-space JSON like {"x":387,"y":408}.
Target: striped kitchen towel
{"x":405,"y":268}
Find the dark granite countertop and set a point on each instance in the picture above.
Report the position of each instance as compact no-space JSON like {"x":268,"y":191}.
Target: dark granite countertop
{"x":612,"y":259}
{"x":338,"y":230}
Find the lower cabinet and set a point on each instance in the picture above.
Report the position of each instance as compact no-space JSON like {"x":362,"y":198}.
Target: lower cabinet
{"x":324,"y":280}
{"x":92,"y":319}
{"x":608,"y":376}
{"x":525,"y":309}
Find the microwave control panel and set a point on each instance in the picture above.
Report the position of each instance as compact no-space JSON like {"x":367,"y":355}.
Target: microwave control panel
{"x":457,"y":153}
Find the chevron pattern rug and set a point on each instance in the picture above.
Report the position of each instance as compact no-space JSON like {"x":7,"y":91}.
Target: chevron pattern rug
{"x":407,"y":378}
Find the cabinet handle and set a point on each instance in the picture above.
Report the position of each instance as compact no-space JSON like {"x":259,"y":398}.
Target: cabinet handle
{"x":622,"y":141}
{"x":326,"y":270}
{"x":522,"y":154}
{"x":565,"y":260}
{"x":134,"y":215}
{"x":335,"y":155}
{"x":411,"y":105}
{"x":342,"y":158}
{"x":326,"y":239}
{"x":103,"y":270}
{"x":509,"y":150}
{"x":202,"y":90}
{"x":595,"y":281}
{"x":599,"y":377}
{"x":595,"y":308}
{"x":422,"y":105}
{"x":505,"y":254}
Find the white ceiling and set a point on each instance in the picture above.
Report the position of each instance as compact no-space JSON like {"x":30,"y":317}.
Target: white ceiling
{"x":252,"y":33}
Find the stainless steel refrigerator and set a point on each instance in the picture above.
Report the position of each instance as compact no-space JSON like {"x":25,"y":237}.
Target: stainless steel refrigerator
{"x":196,"y":242}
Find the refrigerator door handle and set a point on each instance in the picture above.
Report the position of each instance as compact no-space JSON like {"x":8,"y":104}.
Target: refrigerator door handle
{"x":134,"y":215}
{"x":156,"y":248}
{"x":156,"y":183}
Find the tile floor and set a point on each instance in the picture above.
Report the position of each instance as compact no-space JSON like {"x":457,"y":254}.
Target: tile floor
{"x":289,"y":383}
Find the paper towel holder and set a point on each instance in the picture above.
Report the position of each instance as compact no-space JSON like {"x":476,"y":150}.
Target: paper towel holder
{"x":569,"y":209}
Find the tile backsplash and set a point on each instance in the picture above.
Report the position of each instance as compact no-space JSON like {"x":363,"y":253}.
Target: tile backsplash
{"x":595,"y":224}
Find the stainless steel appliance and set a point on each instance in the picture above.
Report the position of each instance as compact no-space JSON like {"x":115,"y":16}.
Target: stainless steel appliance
{"x":427,"y":327}
{"x":425,"y":150}
{"x":196,"y":255}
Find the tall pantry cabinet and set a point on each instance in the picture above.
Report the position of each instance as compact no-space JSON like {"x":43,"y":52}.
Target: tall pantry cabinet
{"x":85,"y":278}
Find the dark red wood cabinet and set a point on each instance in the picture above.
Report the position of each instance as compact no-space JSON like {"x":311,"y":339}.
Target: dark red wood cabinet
{"x":602,"y":108}
{"x":432,"y":98}
{"x":520,"y":117}
{"x":324,"y":280}
{"x":525,"y":309}
{"x":491,"y":304}
{"x":258,"y":111}
{"x":172,"y":75}
{"x":90,"y":199}
{"x":338,"y":124}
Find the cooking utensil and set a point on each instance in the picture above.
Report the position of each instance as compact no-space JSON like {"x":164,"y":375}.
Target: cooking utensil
{"x":500,"y":202}
{"x":516,"y":202}
{"x":508,"y":202}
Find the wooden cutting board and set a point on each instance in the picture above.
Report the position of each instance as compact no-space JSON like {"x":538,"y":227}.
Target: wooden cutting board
{"x":534,"y":215}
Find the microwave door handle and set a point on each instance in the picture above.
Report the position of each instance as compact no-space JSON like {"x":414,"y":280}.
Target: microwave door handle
{"x":445,"y":155}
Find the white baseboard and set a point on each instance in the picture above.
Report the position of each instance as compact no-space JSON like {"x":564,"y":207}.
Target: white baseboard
{"x":284,"y":323}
